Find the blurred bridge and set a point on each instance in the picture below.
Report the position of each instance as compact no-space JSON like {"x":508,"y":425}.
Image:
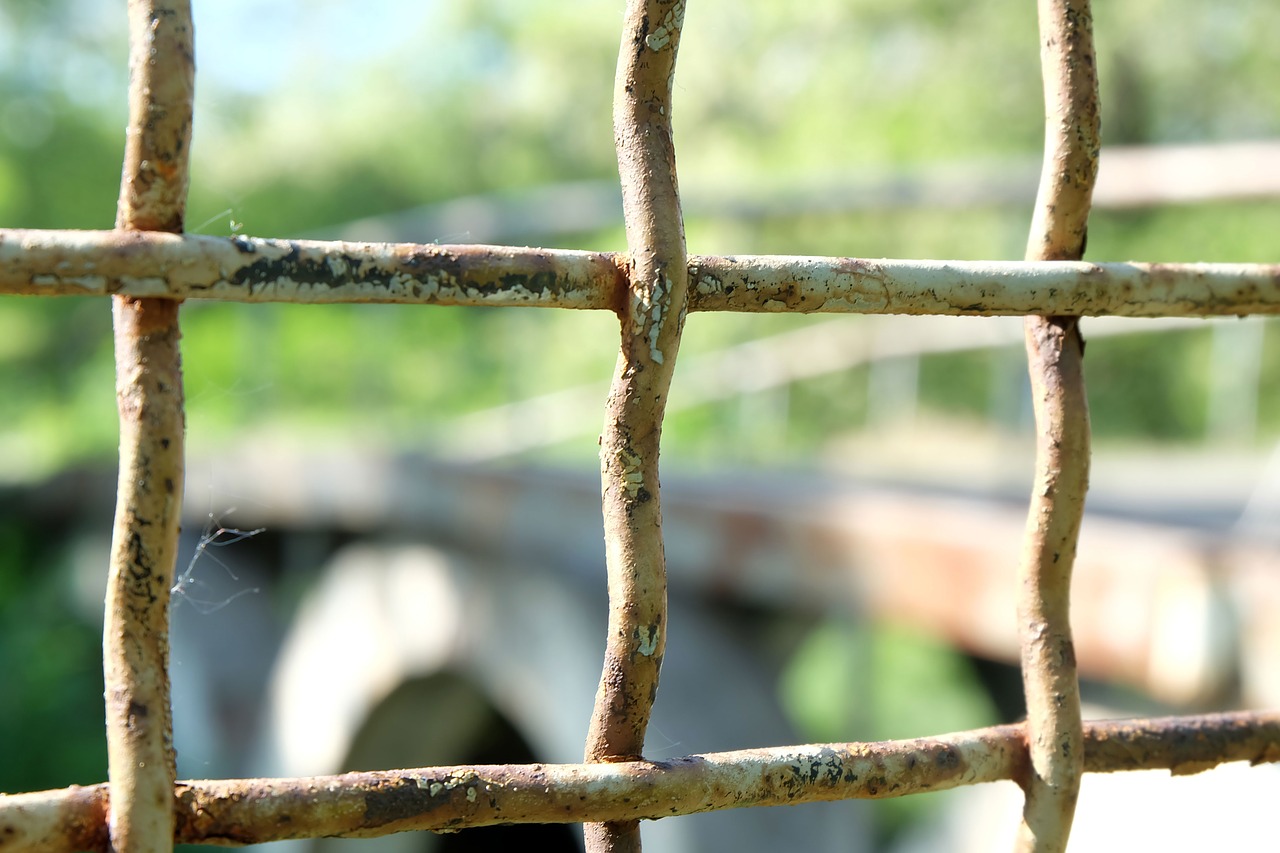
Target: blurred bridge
{"x":415,"y":612}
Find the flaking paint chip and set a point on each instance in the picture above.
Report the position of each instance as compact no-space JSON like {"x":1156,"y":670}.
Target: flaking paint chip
{"x":671,"y":23}
{"x":648,"y":640}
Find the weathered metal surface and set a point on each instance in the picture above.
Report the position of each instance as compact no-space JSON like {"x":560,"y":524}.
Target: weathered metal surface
{"x":71,"y":819}
{"x":779,"y":283}
{"x":652,"y":318}
{"x":144,"y":549}
{"x":445,"y":799}
{"x":252,"y":269}
{"x":135,"y":637}
{"x":648,"y":291}
{"x":1055,"y":354}
{"x":245,"y":269}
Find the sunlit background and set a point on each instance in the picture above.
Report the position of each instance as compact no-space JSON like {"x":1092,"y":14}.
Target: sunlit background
{"x":867,"y":128}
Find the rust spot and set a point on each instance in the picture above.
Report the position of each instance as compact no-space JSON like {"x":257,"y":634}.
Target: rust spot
{"x":1068,"y":654}
{"x":620,"y":296}
{"x":140,"y":318}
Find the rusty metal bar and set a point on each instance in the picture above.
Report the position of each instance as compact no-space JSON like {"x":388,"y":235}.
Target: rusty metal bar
{"x":1055,"y":351}
{"x":245,"y":269}
{"x":979,"y":288}
{"x":149,"y":395}
{"x":148,"y":274}
{"x":254,"y":811}
{"x":652,"y":317}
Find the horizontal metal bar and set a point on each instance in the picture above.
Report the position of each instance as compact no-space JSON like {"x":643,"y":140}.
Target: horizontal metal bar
{"x":252,"y":811}
{"x":862,"y":286}
{"x":244,"y":269}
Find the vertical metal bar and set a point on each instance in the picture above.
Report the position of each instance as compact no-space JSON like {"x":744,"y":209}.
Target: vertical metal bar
{"x":1055,"y":352}
{"x":652,"y":315}
{"x":149,"y":396}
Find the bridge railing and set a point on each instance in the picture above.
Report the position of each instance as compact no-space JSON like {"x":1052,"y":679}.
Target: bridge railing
{"x":148,"y":267}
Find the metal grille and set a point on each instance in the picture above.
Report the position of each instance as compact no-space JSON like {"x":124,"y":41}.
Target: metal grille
{"x":148,"y":267}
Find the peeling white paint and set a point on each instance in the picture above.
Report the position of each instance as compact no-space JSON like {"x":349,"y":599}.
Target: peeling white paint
{"x":709,"y":284}
{"x":648,"y":640}
{"x":91,"y":283}
{"x":633,"y":482}
{"x":80,"y":263}
{"x":654,"y":352}
{"x":401,"y":283}
{"x":665,"y":31}
{"x":654,"y":306}
{"x":632,"y":476}
{"x":147,"y":286}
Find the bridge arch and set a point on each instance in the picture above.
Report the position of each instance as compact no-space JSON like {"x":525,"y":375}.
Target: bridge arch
{"x":404,"y":654}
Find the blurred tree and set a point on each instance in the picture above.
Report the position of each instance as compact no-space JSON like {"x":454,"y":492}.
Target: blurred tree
{"x":307,"y":119}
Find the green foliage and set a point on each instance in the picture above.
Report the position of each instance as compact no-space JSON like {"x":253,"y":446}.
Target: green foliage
{"x":852,"y":682}
{"x":1187,"y":71}
{"x":1223,"y":232}
{"x":476,"y":96}
{"x":53,"y":670}
{"x":868,"y":682}
{"x":1145,"y":387}
{"x":56,"y":369}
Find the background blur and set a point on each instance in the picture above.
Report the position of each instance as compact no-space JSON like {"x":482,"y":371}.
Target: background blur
{"x":835,"y":127}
